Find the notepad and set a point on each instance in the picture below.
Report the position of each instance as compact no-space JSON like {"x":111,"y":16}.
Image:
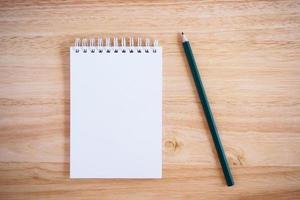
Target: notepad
{"x":116,"y":108}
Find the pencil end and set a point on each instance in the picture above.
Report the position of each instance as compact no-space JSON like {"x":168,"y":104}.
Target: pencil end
{"x":229,"y":179}
{"x":230,"y":184}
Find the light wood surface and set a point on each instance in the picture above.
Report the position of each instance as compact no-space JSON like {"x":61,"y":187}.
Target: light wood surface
{"x":248,"y":53}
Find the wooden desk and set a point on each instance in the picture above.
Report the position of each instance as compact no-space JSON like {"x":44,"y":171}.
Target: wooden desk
{"x":249,"y":57}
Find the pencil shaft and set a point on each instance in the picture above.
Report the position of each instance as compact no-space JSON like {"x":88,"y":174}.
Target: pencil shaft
{"x":208,"y":114}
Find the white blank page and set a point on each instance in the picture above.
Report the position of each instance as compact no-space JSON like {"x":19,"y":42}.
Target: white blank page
{"x":116,"y":114}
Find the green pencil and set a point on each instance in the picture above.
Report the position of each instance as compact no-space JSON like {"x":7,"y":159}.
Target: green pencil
{"x":207,"y":111}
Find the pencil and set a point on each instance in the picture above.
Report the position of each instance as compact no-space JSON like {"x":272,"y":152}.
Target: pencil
{"x":207,"y":111}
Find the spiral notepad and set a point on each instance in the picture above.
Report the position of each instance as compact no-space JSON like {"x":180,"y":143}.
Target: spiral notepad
{"x":116,"y":108}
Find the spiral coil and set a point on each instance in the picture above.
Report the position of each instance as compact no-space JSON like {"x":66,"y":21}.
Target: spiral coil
{"x":104,"y":45}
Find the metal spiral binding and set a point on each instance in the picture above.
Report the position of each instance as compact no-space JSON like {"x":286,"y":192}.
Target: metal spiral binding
{"x":100,"y":46}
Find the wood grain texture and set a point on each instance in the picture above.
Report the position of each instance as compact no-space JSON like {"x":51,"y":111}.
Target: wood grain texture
{"x":249,"y":57}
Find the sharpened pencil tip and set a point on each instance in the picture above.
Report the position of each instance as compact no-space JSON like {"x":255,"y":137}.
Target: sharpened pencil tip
{"x":183,"y":37}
